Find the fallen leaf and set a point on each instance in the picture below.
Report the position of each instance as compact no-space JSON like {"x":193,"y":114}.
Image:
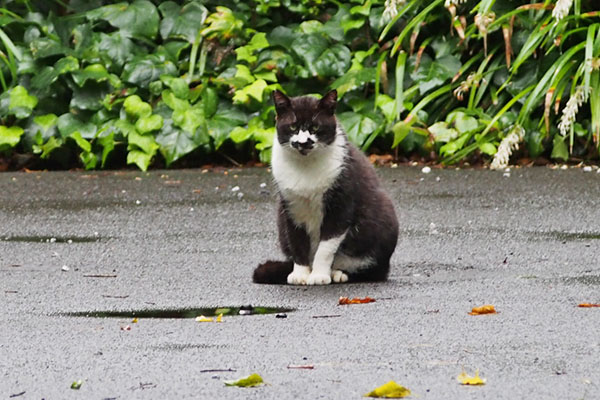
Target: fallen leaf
{"x":486,"y":309}
{"x":588,"y":305}
{"x":390,"y":390}
{"x":355,"y":300}
{"x":465,"y":379}
{"x":134,"y":321}
{"x":77,"y":384}
{"x":249,"y":381}
{"x":202,"y":318}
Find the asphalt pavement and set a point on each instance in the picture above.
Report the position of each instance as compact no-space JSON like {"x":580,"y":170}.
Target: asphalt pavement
{"x":525,"y":241}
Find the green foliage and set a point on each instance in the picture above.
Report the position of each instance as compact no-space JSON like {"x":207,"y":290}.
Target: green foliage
{"x":152,"y":82}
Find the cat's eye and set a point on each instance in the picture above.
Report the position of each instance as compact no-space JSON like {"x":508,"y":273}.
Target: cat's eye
{"x":292,"y":127}
{"x":315,"y":128}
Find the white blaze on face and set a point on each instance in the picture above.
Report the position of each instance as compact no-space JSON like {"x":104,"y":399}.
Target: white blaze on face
{"x":302,"y":137}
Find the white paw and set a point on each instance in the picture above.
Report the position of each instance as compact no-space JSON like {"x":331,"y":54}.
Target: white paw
{"x":338,"y":276}
{"x":299,"y":276}
{"x":316,"y":278}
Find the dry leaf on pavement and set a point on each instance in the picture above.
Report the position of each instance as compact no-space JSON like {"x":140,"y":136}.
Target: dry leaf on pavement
{"x":487,"y":309}
{"x":390,"y":390}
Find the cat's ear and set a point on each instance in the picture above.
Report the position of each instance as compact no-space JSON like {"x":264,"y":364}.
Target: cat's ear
{"x":282,"y":102}
{"x":329,"y":102}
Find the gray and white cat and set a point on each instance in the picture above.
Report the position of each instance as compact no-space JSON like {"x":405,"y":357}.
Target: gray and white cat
{"x":335,"y":222}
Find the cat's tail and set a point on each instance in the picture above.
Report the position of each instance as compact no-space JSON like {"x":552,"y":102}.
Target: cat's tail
{"x":273,"y":272}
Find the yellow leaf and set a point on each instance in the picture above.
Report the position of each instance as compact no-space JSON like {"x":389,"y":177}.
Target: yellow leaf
{"x":465,"y":379}
{"x":202,"y":318}
{"x":220,"y":318}
{"x":134,"y":321}
{"x":249,"y":381}
{"x":390,"y":390}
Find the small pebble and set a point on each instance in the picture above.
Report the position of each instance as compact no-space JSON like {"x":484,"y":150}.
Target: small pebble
{"x":587,"y":168}
{"x":426,"y":170}
{"x":263,"y":185}
{"x":65,"y":268}
{"x":138,"y":202}
{"x":235,"y":189}
{"x":240,"y":195}
{"x":281,"y":316}
{"x":52,"y":240}
{"x":437,"y":179}
{"x":564,"y":166}
{"x":506,"y":174}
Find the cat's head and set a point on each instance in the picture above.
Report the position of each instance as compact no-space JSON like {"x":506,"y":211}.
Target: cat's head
{"x":305,"y":123}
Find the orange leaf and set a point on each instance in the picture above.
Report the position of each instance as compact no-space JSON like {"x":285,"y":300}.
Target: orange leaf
{"x":355,"y":300}
{"x":487,"y":309}
{"x":588,"y":305}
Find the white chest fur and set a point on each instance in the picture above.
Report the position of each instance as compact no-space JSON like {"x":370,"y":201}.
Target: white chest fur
{"x":303,"y":180}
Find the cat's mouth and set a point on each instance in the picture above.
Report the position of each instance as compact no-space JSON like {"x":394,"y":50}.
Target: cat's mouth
{"x":304,"y":151}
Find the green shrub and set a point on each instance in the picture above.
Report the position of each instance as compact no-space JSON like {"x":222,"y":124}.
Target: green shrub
{"x":149,"y":83}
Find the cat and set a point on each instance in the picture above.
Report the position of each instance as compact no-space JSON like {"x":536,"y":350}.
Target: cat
{"x":335,"y":222}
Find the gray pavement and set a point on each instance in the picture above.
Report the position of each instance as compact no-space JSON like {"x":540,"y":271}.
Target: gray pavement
{"x":527,"y":243}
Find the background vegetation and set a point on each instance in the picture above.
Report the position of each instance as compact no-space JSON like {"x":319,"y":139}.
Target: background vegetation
{"x":98,"y":84}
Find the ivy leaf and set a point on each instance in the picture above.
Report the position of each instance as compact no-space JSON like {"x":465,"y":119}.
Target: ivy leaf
{"x":181,"y":22}
{"x":334,"y":61}
{"x":67,"y":124}
{"x":146,"y":143}
{"x":81,"y":142}
{"x":175,"y":142}
{"x":488,"y":148}
{"x":254,"y":90}
{"x":465,"y":123}
{"x":136,"y":108}
{"x":145,"y":69}
{"x":357,"y":126}
{"x":21,"y":102}
{"x":90,"y":97}
{"x":178,"y":86}
{"x":559,"y":148}
{"x":108,"y":144}
{"x":95,"y":72}
{"x":210,"y":100}
{"x":308,"y":48}
{"x":89,"y":159}
{"x":149,"y":123}
{"x":441,"y":132}
{"x":222,"y":24}
{"x":401,"y":131}
{"x":353,"y":80}
{"x":39,"y":129}
{"x":47,"y":148}
{"x":431,"y":74}
{"x":258,"y":42}
{"x":223,"y":123}
{"x":138,"y":19}
{"x":117,"y":48}
{"x":281,"y":36}
{"x":139,"y":158}
{"x":10,"y":137}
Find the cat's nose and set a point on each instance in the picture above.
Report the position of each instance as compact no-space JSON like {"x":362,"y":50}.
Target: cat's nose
{"x":303,"y":146}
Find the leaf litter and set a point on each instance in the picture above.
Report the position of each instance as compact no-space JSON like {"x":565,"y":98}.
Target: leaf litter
{"x":390,"y":390}
{"x":248,"y":381}
{"x":486,"y":309}
{"x":355,"y":300}
{"x":466,"y":379}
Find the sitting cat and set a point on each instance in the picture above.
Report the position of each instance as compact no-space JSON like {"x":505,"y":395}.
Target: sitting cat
{"x":335,"y":221}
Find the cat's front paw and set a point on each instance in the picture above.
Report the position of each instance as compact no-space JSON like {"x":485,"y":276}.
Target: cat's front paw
{"x":299,"y":276}
{"x":338,"y":276}
{"x":316,"y":278}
